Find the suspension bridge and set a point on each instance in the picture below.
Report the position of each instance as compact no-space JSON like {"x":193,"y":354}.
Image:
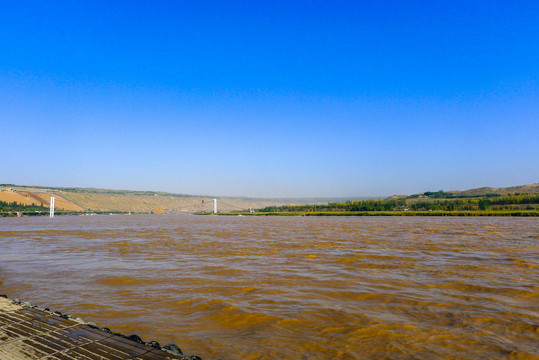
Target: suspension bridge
{"x":201,"y":205}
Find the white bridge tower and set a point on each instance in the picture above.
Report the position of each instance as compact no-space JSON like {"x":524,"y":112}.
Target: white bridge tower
{"x":215,"y":206}
{"x":52,"y":207}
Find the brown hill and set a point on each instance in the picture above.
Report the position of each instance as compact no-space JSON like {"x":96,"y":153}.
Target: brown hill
{"x":148,"y":201}
{"x":175,"y":203}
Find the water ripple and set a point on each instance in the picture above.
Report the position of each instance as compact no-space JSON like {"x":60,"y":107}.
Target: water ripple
{"x":292,"y":287}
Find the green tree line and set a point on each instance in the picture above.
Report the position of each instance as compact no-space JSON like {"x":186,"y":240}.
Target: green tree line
{"x":412,"y":203}
{"x":15,"y":206}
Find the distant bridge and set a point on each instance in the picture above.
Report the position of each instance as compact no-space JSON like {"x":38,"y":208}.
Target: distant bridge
{"x":209,"y":205}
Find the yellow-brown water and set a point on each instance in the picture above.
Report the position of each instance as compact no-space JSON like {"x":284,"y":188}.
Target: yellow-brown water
{"x":289,"y":287}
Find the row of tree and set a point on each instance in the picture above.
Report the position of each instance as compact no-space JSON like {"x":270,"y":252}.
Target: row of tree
{"x":515,"y":199}
{"x":15,"y":206}
{"x":412,"y":203}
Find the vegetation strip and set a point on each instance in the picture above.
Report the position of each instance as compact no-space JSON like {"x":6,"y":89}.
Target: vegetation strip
{"x":387,"y":213}
{"x":426,"y":204}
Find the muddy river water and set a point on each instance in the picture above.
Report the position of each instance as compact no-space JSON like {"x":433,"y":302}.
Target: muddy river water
{"x":225,"y":287}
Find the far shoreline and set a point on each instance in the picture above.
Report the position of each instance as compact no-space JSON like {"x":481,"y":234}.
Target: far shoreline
{"x":435,"y":213}
{"x":516,"y":213}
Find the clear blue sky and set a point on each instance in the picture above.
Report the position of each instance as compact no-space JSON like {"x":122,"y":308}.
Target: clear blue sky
{"x":270,"y":98}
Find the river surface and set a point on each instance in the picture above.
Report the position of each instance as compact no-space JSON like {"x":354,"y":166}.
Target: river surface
{"x":225,"y":287}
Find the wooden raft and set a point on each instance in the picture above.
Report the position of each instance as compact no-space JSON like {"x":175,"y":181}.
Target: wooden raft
{"x":27,"y":333}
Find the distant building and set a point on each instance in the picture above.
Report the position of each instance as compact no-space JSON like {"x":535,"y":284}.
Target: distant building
{"x":400,"y":208}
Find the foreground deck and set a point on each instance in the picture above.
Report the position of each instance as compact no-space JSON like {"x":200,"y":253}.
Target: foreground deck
{"x":30,"y":333}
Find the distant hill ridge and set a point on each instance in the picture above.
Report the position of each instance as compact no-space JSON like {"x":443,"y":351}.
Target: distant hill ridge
{"x":94,"y":199}
{"x":482,"y":191}
{"x":521,"y":189}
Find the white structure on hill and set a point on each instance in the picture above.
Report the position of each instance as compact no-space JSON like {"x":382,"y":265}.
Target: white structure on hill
{"x":52,"y":207}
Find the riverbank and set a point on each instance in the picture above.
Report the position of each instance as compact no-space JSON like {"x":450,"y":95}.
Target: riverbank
{"x":30,"y":332}
{"x":525,"y":213}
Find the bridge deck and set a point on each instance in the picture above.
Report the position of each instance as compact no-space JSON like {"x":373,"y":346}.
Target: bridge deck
{"x":28,"y":333}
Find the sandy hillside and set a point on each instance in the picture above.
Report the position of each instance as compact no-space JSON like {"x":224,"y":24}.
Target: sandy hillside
{"x":139,"y":201}
{"x":29,"y":198}
{"x":160,"y":202}
{"x":156,"y":203}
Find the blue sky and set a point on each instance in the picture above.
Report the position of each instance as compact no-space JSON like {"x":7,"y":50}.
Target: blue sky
{"x":270,"y":98}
